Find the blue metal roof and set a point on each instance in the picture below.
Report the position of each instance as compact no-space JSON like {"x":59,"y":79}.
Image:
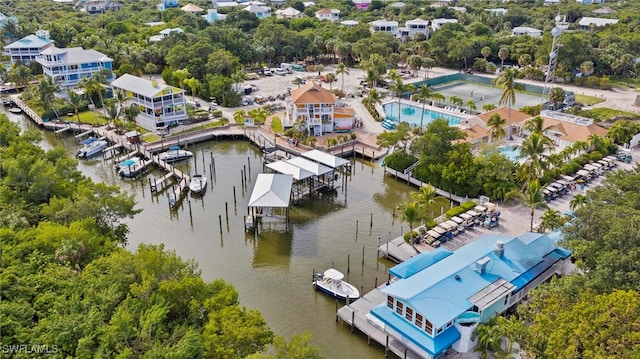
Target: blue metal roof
{"x":30,"y":41}
{"x":526,"y":277}
{"x":441,"y":291}
{"x":432,"y":345}
{"x":414,"y":265}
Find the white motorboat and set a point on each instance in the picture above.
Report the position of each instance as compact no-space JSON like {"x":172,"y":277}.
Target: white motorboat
{"x":131,"y":168}
{"x":331,"y":283}
{"x":174,"y":154}
{"x":198,"y":184}
{"x":92,"y":148}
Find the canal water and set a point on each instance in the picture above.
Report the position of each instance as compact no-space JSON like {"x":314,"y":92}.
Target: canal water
{"x":272,"y":270}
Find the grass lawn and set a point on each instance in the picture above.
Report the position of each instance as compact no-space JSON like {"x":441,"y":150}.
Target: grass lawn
{"x":150,"y":138}
{"x":588,"y":100}
{"x":605,"y":114}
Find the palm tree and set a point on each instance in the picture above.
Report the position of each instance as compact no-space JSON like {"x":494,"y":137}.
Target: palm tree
{"x":550,"y":220}
{"x":20,"y":75}
{"x":330,"y":77}
{"x":578,"y":201}
{"x":489,"y":338}
{"x":425,"y":196}
{"x":342,"y":70}
{"x":95,"y":84}
{"x":485,"y":52}
{"x":532,"y":198}
{"x":130,"y":113}
{"x":503,"y":53}
{"x":557,"y":96}
{"x":411,"y":212}
{"x":506,"y":81}
{"x":399,"y":87}
{"x":534,"y":150}
{"x":298,"y":81}
{"x":46,"y":93}
{"x":456,"y":100}
{"x":428,"y":63}
{"x":472,"y":105}
{"x":75,"y":100}
{"x":496,"y":124}
{"x":193,"y":84}
{"x":181,"y":75}
{"x":239,"y":116}
{"x":423,"y":95}
{"x":536,"y":125}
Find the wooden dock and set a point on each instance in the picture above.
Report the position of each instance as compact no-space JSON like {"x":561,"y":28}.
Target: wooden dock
{"x":357,"y":316}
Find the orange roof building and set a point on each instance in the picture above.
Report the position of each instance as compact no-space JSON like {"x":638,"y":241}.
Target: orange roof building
{"x":315,"y":106}
{"x":565,"y":129}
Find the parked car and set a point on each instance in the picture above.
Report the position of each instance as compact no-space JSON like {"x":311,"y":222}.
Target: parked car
{"x":280,"y":72}
{"x":267,"y":71}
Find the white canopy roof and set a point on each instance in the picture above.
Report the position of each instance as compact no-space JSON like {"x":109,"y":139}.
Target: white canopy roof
{"x":289,"y":169}
{"x":271,"y":190}
{"x":434,"y":234}
{"x":325,"y":158}
{"x":333,"y":274}
{"x":313,"y":167}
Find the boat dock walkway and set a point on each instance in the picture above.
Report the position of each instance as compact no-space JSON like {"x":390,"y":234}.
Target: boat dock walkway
{"x":357,"y":315}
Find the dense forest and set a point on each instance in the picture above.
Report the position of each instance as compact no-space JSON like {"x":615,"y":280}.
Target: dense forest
{"x":215,"y":54}
{"x":70,"y":290}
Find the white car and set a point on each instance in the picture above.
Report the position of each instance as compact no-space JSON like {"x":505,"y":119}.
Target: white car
{"x":267,"y":71}
{"x":280,"y":72}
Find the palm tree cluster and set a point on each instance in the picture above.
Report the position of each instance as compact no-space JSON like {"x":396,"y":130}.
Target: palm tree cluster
{"x":415,"y":211}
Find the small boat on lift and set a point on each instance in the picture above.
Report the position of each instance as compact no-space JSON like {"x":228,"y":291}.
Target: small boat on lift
{"x":331,"y":282}
{"x":131,"y":168}
{"x":174,"y":154}
{"x":198,"y":184}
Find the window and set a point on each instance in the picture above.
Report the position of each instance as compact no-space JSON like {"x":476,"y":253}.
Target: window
{"x":399,"y":308}
{"x":389,"y":302}
{"x":428,"y":327}
{"x":409,"y":314}
{"x":440,"y":330}
{"x":419,"y":320}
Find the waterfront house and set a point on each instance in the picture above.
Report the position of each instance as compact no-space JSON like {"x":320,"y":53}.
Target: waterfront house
{"x":436,"y":24}
{"x":382,"y":25}
{"x":289,"y":13}
{"x":68,"y":66}
{"x":525,"y":30}
{"x":28,"y":48}
{"x":497,"y":12}
{"x":212,"y":16}
{"x":413,"y":27}
{"x":437,"y":299}
{"x":165,"y":33}
{"x":160,"y":105}
{"x":318,"y":109}
{"x":590,"y":2}
{"x":328,"y":14}
{"x":168,"y":4}
{"x":260,"y":11}
{"x":586,"y":22}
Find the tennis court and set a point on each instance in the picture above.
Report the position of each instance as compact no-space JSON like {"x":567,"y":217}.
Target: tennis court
{"x":481,"y":90}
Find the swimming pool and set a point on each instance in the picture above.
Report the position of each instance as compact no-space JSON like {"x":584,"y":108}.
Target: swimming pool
{"x":511,"y":152}
{"x":413,"y":114}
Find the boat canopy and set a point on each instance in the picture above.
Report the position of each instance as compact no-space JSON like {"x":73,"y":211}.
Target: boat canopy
{"x":333,"y":274}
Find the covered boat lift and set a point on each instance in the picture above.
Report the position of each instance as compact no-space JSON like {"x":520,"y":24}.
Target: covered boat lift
{"x":270,"y":198}
{"x":301,"y":177}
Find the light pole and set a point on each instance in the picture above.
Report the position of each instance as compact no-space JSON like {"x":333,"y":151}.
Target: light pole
{"x":553,"y":59}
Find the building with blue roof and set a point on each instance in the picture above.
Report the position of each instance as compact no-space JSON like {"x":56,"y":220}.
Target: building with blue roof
{"x":439,"y":298}
{"x":28,"y":48}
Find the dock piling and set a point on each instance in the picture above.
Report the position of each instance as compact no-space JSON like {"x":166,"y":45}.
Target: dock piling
{"x":348,"y":263}
{"x":220,"y":221}
{"x":226,"y":210}
{"x":234,"y":195}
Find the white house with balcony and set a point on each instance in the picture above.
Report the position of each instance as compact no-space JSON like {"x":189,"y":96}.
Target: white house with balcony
{"x":413,"y":27}
{"x":160,"y":105}
{"x":69,"y":66}
{"x":525,"y":30}
{"x":319,"y":110}
{"x":382,"y":25}
{"x":436,"y":24}
{"x":28,"y":48}
{"x":328,"y":14}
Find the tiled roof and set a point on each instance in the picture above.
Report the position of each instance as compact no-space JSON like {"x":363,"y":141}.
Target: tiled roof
{"x":516,"y":116}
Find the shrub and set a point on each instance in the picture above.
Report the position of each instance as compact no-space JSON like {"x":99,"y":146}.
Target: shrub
{"x":422,"y":230}
{"x":400,"y":160}
{"x":468,"y":205}
{"x":409,"y":236}
{"x":276,"y":125}
{"x":216,"y":113}
{"x":454,"y":211}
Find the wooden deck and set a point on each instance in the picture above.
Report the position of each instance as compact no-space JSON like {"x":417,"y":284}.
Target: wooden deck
{"x":355,"y":315}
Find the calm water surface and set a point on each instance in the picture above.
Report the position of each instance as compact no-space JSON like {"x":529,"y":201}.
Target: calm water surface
{"x":271,"y":271}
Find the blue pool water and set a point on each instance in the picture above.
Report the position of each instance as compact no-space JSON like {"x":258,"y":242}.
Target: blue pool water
{"x":413,"y":114}
{"x":511,"y":152}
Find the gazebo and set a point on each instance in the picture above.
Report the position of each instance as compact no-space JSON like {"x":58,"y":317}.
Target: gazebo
{"x":270,"y":198}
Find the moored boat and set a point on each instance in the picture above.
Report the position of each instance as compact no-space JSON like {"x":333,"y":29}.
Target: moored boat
{"x":174,"y":154}
{"x":198,"y":184}
{"x":331,"y":282}
{"x":15,"y":110}
{"x":92,"y":148}
{"x":131,"y":168}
